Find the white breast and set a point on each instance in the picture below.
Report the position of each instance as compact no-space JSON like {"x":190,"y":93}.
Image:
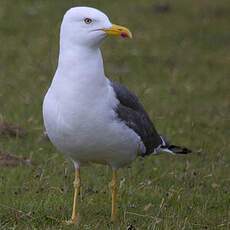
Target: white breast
{"x":81,"y":122}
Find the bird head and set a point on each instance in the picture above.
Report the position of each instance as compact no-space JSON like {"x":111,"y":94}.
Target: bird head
{"x":86,"y":26}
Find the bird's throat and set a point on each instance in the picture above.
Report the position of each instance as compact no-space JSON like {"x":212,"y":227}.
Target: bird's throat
{"x":81,"y":62}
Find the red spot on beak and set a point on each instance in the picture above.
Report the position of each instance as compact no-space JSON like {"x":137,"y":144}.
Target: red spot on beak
{"x":124,"y":35}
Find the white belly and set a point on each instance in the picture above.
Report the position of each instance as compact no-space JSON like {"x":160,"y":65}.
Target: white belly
{"x":89,"y":131}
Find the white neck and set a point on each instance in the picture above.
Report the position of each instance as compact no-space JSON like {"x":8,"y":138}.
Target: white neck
{"x":80,"y":71}
{"x":80,"y":61}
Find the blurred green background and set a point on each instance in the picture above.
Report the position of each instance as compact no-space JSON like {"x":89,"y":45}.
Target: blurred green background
{"x":178,"y":64}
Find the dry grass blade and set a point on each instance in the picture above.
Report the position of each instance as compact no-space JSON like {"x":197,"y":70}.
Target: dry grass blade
{"x":9,"y":160}
{"x":13,"y":130}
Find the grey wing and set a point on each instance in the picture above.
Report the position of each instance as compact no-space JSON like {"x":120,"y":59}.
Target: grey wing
{"x":131,"y":111}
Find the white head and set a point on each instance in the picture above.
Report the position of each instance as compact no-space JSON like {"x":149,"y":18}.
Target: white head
{"x":85,"y":26}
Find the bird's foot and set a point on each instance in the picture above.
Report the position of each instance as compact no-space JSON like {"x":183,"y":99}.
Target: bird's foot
{"x":73,"y":220}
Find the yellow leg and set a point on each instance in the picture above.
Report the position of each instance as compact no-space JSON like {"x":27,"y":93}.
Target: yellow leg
{"x":77,"y":186}
{"x":114,"y":196}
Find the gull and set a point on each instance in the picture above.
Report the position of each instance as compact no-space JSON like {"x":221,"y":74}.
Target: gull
{"x":88,"y":117}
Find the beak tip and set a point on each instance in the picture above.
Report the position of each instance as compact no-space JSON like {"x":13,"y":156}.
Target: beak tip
{"x":117,"y":30}
{"x":126,"y":35}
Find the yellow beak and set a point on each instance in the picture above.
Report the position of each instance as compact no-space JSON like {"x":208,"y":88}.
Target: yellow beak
{"x":117,"y":30}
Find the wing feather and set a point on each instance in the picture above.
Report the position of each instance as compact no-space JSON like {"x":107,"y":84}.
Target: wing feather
{"x":131,"y":111}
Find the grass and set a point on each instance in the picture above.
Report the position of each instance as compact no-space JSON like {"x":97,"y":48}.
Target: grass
{"x":177,"y":63}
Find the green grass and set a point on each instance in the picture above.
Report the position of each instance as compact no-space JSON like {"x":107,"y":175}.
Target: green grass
{"x":179,"y":65}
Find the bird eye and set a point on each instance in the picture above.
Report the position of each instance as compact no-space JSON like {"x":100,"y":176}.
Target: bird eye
{"x":87,"y":20}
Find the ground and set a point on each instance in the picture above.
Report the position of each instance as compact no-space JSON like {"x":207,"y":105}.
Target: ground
{"x":178,"y":64}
